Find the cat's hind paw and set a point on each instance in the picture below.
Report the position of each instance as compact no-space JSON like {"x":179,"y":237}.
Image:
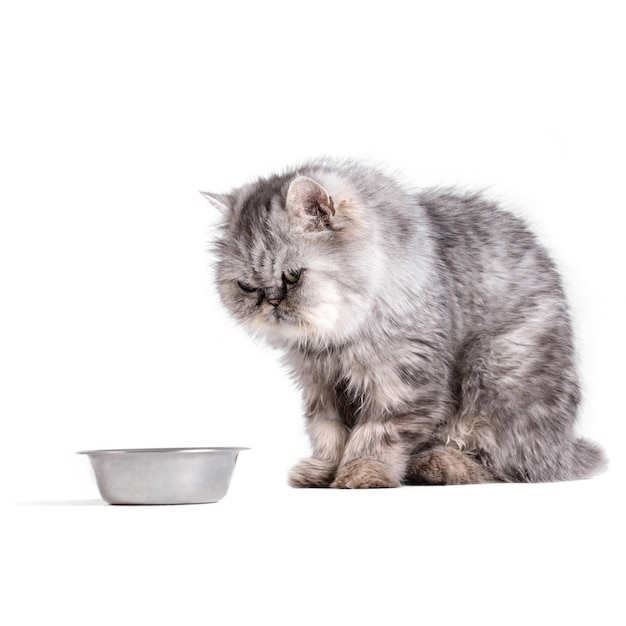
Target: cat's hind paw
{"x":446,"y":466}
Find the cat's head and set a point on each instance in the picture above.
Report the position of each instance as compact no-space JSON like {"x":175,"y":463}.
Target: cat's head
{"x":295,"y":259}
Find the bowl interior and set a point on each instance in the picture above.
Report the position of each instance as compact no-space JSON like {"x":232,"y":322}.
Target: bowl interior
{"x":165,"y":450}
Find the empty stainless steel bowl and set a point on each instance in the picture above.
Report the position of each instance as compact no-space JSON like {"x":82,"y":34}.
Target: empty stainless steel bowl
{"x":163,"y":475}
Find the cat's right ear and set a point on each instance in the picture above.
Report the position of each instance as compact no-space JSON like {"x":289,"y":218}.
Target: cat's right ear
{"x":223,"y":202}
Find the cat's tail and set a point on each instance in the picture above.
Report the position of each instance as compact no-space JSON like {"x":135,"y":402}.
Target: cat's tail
{"x":589,"y":459}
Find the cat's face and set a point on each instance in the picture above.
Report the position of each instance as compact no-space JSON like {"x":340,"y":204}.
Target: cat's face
{"x":293,"y":265}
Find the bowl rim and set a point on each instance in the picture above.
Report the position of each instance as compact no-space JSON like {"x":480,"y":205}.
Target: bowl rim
{"x":163,"y":450}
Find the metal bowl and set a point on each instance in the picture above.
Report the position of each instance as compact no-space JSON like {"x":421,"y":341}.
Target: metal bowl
{"x":163,"y":475}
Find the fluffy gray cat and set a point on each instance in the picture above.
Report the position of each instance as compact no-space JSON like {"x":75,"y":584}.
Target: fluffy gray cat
{"x":428,"y":331}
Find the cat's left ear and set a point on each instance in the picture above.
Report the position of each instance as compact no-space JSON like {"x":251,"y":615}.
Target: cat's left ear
{"x":310,"y":203}
{"x":223,"y":202}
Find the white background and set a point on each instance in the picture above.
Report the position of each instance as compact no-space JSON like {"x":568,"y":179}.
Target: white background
{"x":113,"y":116}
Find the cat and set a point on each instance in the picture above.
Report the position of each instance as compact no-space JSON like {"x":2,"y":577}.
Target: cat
{"x":428,"y":331}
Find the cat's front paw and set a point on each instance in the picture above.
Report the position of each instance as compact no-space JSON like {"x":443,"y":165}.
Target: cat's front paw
{"x":365,"y":474}
{"x":312,"y":473}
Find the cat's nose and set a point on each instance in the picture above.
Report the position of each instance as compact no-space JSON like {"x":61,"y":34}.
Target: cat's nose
{"x":275,"y":295}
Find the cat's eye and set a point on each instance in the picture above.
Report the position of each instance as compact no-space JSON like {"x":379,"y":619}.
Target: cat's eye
{"x":292,"y":276}
{"x":246,"y":287}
